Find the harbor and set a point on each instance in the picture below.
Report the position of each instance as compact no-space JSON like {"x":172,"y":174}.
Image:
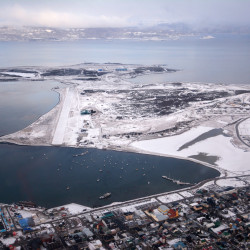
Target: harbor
{"x":214,"y":208}
{"x":55,"y":176}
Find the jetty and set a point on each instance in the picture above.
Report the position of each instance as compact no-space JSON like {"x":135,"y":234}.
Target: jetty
{"x":178,"y":182}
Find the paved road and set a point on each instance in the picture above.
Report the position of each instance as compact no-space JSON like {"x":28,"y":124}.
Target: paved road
{"x":143,"y":199}
{"x":237,"y":131}
{"x":63,"y":119}
{"x":136,"y":201}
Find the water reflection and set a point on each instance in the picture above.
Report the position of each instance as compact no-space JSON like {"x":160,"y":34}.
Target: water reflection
{"x":42,"y":174}
{"x":23,"y":102}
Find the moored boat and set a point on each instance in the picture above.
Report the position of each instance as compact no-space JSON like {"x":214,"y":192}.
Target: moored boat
{"x":105,"y":196}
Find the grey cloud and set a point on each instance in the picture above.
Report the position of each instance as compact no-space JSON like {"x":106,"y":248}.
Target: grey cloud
{"x":119,"y":13}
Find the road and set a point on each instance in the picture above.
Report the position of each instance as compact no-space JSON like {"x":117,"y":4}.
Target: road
{"x":237,"y":131}
{"x":136,"y":201}
{"x":131,"y":202}
{"x":63,"y":119}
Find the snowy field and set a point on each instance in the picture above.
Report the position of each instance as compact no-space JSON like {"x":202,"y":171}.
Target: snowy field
{"x":234,"y":182}
{"x":25,"y":75}
{"x":134,"y":206}
{"x":170,"y":198}
{"x":170,"y":119}
{"x":244,"y":131}
{"x":62,"y":123}
{"x":186,"y":194}
{"x":244,"y":128}
{"x":230,"y":157}
{"x":72,"y":208}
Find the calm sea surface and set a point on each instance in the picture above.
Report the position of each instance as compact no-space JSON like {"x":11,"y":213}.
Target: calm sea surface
{"x":224,"y":59}
{"x":42,"y":174}
{"x":22,"y":103}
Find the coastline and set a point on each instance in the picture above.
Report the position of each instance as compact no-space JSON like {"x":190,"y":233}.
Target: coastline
{"x":223,"y":173}
{"x":42,"y":131}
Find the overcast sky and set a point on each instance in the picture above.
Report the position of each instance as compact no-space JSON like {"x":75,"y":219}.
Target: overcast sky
{"x":120,"y":13}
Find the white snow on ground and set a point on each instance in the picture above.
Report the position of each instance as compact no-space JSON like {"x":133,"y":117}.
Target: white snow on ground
{"x":47,"y":225}
{"x":234,"y":182}
{"x":208,"y":184}
{"x":244,"y":131}
{"x":170,"y":198}
{"x":62,"y":123}
{"x":170,"y":145}
{"x":172,"y":242}
{"x":132,"y":207}
{"x":93,"y":133}
{"x":247,"y":179}
{"x":28,"y":75}
{"x":26,"y":214}
{"x":104,"y":130}
{"x":8,"y":241}
{"x":244,"y":128}
{"x":73,"y":208}
{"x":231,"y":158}
{"x":76,"y":208}
{"x":220,"y":228}
{"x":230,"y":214}
{"x":186,"y":194}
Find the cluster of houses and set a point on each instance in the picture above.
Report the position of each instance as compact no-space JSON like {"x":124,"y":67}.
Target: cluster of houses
{"x":211,"y":218}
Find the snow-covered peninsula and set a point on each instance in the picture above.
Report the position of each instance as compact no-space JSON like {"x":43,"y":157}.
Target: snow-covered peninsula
{"x":100,"y":107}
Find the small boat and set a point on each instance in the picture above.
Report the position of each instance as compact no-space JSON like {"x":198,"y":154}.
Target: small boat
{"x":84,"y":153}
{"x":105,"y":196}
{"x":148,"y":182}
{"x":100,"y":170}
{"x":98,"y":180}
{"x":137,"y":169}
{"x":67,"y":188}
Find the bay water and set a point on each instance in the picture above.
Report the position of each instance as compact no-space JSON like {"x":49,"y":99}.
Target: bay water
{"x":42,"y":174}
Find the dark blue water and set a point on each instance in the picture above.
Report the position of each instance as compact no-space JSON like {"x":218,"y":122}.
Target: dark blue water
{"x":42,"y":174}
{"x":31,"y":173}
{"x":22,"y":103}
{"x":225,"y":59}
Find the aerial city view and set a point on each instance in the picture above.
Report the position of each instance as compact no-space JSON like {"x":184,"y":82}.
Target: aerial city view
{"x":124,"y":124}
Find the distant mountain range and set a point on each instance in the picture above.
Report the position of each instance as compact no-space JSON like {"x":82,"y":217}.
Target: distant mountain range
{"x":158,"y":32}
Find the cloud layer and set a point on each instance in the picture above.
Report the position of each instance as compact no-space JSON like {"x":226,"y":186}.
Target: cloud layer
{"x":19,"y":15}
{"x":120,"y":13}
